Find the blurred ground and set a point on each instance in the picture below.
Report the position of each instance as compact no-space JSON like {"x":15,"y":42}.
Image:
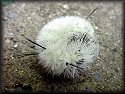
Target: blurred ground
{"x":29,"y":17}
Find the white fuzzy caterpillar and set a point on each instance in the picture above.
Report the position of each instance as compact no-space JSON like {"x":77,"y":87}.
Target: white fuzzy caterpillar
{"x":68,"y":41}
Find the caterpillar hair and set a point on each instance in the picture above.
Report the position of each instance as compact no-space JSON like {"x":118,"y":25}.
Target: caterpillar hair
{"x":67,"y":45}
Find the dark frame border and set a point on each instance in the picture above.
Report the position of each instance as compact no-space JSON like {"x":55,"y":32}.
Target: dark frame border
{"x":1,"y":36}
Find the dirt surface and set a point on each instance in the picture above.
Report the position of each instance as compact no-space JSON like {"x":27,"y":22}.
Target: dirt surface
{"x":29,"y":17}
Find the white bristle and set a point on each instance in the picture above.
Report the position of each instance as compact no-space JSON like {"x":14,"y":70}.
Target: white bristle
{"x":71,"y":40}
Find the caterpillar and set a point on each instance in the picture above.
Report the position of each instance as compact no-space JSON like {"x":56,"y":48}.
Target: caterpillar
{"x":67,"y":45}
